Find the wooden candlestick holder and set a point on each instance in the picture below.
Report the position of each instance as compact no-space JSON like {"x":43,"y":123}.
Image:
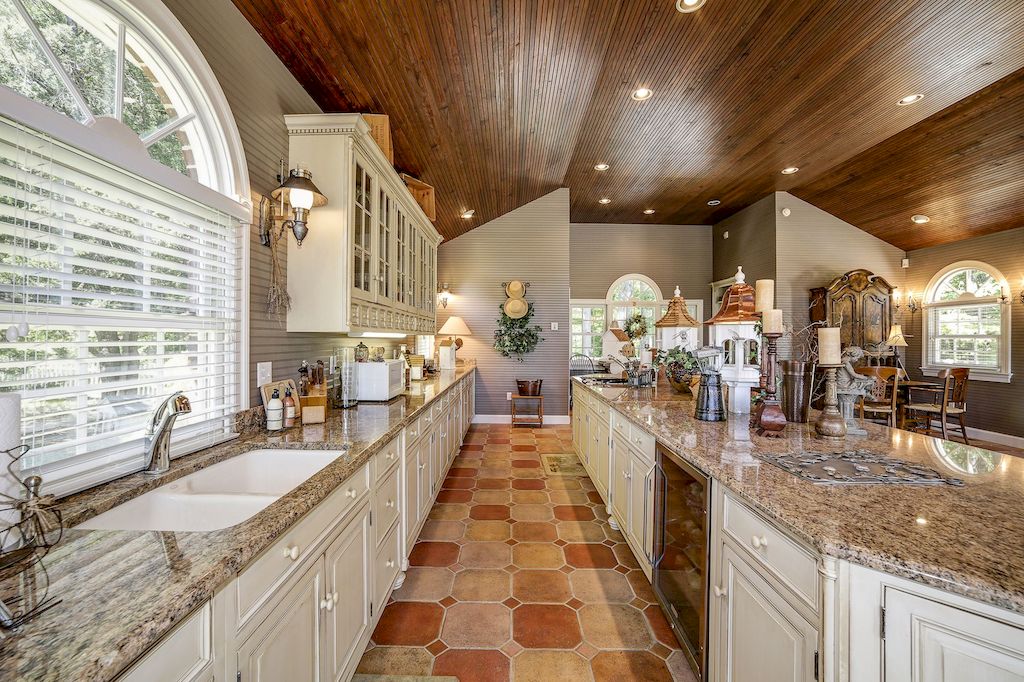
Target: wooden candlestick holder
{"x":830,"y":423}
{"x":771,"y":419}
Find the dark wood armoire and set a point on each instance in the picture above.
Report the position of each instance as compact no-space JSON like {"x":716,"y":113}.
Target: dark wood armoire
{"x":860,"y":304}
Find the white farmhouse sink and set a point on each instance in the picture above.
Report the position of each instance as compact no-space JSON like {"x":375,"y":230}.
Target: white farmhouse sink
{"x":219,"y":496}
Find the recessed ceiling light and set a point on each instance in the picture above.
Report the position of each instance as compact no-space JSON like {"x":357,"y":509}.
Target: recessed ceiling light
{"x":604,"y":200}
{"x":714,"y":202}
{"x":910,"y":99}
{"x":789,"y":170}
{"x":686,"y":6}
{"x":648,"y":211}
{"x":601,"y":167}
{"x":920,"y":219}
{"x":466,"y":215}
{"x":640,"y":94}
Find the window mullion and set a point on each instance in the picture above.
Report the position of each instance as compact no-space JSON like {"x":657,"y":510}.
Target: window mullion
{"x":119,"y":74}
{"x":55,"y":63}
{"x":166,"y":129}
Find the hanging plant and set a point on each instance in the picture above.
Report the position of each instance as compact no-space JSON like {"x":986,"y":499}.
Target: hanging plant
{"x":514,"y":338}
{"x":636,"y":326}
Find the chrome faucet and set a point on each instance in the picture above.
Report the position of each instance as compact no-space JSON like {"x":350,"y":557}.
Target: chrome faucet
{"x":158,"y":435}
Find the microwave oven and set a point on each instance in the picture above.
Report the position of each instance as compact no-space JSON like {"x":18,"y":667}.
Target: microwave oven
{"x":380,"y":381}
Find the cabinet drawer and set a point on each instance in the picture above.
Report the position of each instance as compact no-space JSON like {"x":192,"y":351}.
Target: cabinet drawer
{"x":621,"y":426}
{"x":387,"y":505}
{"x":387,"y":565}
{"x":181,"y":655}
{"x":642,"y":443}
{"x":795,"y":566}
{"x":385,"y":460}
{"x":259,"y":580}
{"x":418,"y":428}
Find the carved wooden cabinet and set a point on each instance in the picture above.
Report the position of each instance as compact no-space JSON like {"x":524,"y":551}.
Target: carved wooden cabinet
{"x":860,"y":304}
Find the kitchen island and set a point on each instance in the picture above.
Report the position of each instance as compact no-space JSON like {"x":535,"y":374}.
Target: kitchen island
{"x":957,"y":545}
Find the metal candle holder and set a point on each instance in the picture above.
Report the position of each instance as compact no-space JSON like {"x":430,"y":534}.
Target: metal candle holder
{"x":771,"y":419}
{"x":830,"y":423}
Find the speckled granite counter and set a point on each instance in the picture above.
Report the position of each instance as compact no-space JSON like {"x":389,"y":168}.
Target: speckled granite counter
{"x":121,"y":591}
{"x":967,"y":539}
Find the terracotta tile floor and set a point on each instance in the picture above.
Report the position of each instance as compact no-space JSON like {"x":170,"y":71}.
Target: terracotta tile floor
{"x":518,"y":576}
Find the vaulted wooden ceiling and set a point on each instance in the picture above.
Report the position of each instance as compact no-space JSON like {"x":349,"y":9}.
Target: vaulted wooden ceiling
{"x":497,"y":102}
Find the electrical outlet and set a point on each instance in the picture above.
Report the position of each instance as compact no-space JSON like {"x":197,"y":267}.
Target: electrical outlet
{"x":264,"y":373}
{"x":554,"y":326}
{"x":508,"y":396}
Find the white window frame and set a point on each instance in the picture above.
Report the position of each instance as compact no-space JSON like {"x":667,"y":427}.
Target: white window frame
{"x":930,"y":308}
{"x":109,"y":141}
{"x":587,"y":303}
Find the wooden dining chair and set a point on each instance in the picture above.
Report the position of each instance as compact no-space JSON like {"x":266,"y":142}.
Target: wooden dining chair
{"x":883,"y":404}
{"x":952,"y":403}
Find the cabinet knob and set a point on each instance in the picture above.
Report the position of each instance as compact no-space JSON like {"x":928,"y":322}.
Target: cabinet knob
{"x":390,"y":563}
{"x":291,"y":552}
{"x":423,"y":466}
{"x":719,"y":592}
{"x":327,"y":603}
{"x":391,"y":455}
{"x":759,"y":542}
{"x":391,"y":503}
{"x":351,"y":492}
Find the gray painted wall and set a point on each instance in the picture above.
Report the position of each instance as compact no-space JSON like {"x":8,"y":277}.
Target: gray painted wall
{"x":530,"y":244}
{"x":671,"y":255}
{"x":990,"y":406}
{"x":814,"y":247}
{"x":751,"y":243}
{"x":260,"y":91}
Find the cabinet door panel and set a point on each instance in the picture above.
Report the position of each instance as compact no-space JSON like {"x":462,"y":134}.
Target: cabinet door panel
{"x":426,"y":475}
{"x":762,"y":638}
{"x":640,"y":516}
{"x":412,"y":498}
{"x":599,"y":457}
{"x":362,"y":233}
{"x":287,"y":645}
{"x":619,"y":484}
{"x":926,"y":641}
{"x":348,"y":577}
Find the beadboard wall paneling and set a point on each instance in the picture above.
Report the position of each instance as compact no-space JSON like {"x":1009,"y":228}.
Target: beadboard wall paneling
{"x":813,"y":247}
{"x":990,"y":406}
{"x":671,"y":255}
{"x":530,"y":244}
{"x":751,"y":243}
{"x":260,"y":91}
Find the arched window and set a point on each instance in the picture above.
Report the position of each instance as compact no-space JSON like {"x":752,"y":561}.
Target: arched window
{"x":107,"y":66}
{"x":634,"y":293}
{"x":967,"y":323}
{"x":121,"y":190}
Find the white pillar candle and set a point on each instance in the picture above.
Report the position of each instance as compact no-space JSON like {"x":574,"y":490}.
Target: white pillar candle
{"x":771,"y":321}
{"x":830,"y":351}
{"x":764,"y":295}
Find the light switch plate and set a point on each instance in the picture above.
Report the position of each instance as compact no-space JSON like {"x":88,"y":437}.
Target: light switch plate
{"x":726,"y":235}
{"x":264,"y":373}
{"x":554,"y":326}
{"x":508,"y":396}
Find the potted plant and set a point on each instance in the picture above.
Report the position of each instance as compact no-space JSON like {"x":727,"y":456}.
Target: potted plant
{"x":682,"y":370}
{"x":516,"y":337}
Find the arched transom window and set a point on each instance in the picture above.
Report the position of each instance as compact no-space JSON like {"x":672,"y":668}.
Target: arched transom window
{"x":635,"y":293}
{"x":967,"y":321}
{"x":86,"y":60}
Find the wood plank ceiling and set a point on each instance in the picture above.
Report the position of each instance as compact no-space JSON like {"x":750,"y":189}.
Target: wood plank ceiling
{"x":497,"y":102}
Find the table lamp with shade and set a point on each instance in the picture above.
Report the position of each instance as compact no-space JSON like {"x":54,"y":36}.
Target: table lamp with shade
{"x":896,"y":341}
{"x":454,"y":327}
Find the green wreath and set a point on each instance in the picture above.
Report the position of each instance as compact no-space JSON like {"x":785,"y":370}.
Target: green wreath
{"x":514,"y":338}
{"x":636,"y":326}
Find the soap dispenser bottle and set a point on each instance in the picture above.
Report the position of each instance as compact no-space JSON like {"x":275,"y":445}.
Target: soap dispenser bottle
{"x":275,"y":412}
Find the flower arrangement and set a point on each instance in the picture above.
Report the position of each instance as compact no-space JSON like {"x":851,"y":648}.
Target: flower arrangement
{"x":636,"y":326}
{"x":681,"y":367}
{"x":514,"y":338}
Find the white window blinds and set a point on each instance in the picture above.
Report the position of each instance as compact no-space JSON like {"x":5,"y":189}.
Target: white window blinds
{"x":129,"y":293}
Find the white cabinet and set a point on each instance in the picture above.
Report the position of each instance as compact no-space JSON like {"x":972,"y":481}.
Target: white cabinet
{"x":185,"y":655}
{"x":369,"y":261}
{"x":599,"y":454}
{"x":641,"y":509}
{"x":348,"y":589}
{"x":927,"y":641}
{"x":411,"y":476}
{"x":619,"y":488}
{"x":759,"y":636}
{"x":287,"y":645}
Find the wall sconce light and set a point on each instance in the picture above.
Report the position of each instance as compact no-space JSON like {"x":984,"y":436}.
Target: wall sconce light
{"x":298,"y":192}
{"x":444,"y":292}
{"x":1021,"y":295}
{"x":911,"y":304}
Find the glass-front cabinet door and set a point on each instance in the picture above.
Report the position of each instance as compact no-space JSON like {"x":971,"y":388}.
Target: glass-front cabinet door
{"x":385,"y":250}
{"x":413,"y":266}
{"x":362,"y":234}
{"x":401,"y":257}
{"x":424,"y":274}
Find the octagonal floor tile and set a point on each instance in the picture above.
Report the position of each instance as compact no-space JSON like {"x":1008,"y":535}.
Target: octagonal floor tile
{"x":548,"y":587}
{"x":616,"y":666}
{"x":594,"y":586}
{"x":545,"y":626}
{"x":425,"y":583}
{"x":473,"y":665}
{"x":482,"y":584}
{"x":476,"y":625}
{"x":409,"y":624}
{"x":589,"y":556}
{"x":485,"y":555}
{"x":434,"y":554}
{"x":537,"y":555}
{"x":485,"y":531}
{"x":614,"y":626}
{"x":544,"y":666}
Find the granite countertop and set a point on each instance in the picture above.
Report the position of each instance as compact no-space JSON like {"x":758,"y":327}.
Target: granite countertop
{"x":965,"y":539}
{"x":121,"y":591}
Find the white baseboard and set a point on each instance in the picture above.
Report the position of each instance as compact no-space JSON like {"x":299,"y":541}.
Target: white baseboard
{"x":507,"y":419}
{"x":996,"y":437}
